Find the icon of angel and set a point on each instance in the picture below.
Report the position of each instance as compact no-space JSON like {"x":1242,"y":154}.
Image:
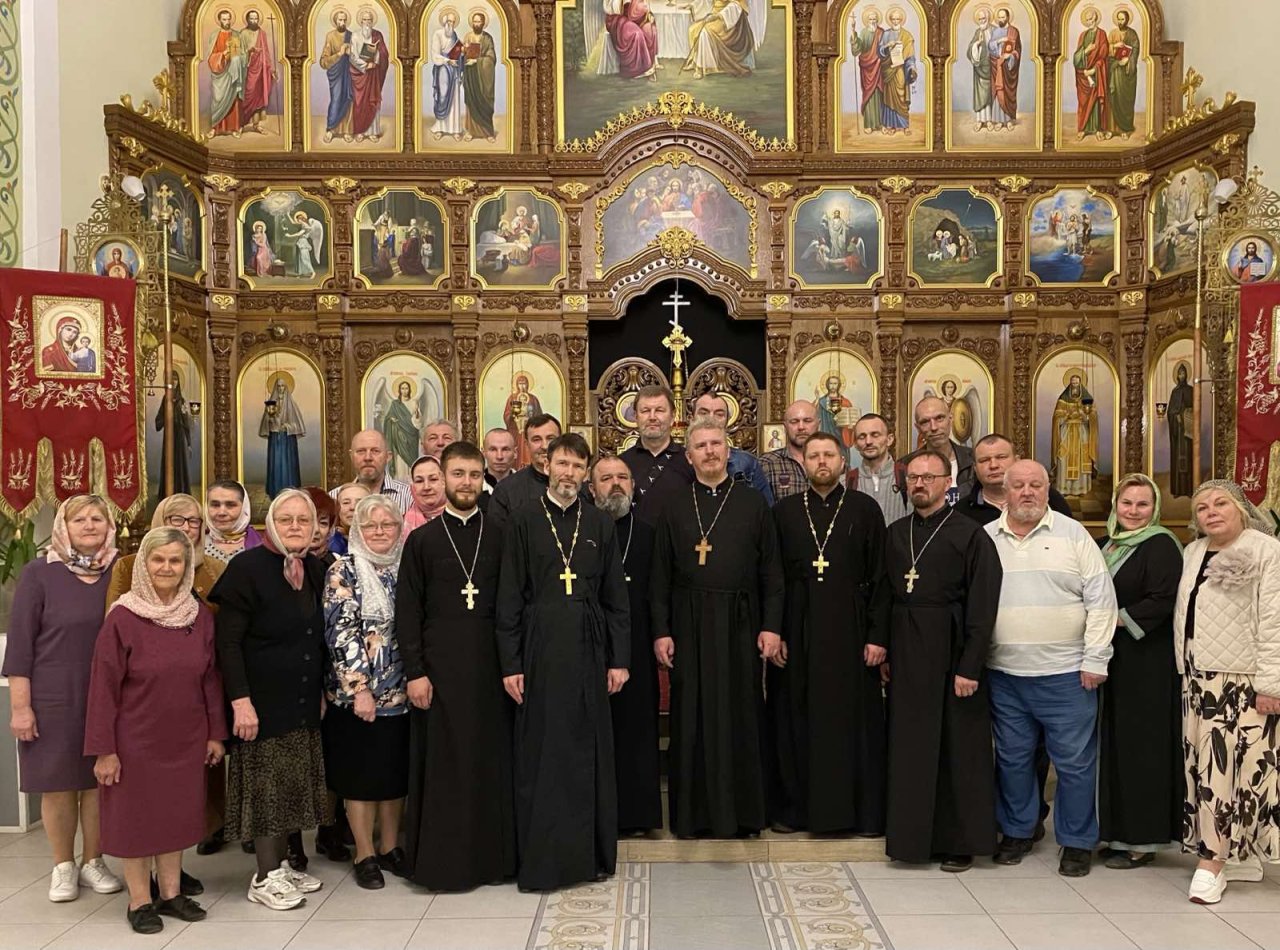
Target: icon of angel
{"x":964,"y":402}
{"x":401,"y":407}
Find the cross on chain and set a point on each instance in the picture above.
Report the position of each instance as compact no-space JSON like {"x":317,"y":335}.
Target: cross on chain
{"x":568,"y":577}
{"x":703,"y":548}
{"x":911,"y":577}
{"x":470,"y":592}
{"x":821,"y":564}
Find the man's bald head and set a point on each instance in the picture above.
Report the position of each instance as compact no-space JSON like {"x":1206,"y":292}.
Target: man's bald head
{"x":933,"y":420}
{"x":1026,"y":484}
{"x":801,"y":421}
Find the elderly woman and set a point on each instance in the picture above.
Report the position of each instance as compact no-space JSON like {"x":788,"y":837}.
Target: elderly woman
{"x":346,"y":497}
{"x":228,"y":513}
{"x":270,"y":636}
{"x":326,"y":524}
{"x":155,"y":720}
{"x":427,"y":483}
{"x":366,"y":731}
{"x":57,"y":613}
{"x":1140,"y":763}
{"x":183,"y":513}
{"x":1227,"y":641}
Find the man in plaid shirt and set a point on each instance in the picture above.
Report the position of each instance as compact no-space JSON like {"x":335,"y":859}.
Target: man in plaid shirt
{"x":784,"y":467}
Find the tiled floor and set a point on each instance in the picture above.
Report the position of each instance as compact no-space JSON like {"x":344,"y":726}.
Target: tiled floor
{"x":792,"y":906}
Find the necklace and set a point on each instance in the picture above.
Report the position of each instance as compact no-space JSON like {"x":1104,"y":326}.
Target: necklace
{"x":626,"y":548}
{"x":822,"y":563}
{"x":470,"y":590}
{"x":567,"y":576}
{"x":703,"y":547}
{"x":912,"y":575}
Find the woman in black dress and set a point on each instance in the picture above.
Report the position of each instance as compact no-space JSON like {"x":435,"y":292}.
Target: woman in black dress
{"x":1140,"y":779}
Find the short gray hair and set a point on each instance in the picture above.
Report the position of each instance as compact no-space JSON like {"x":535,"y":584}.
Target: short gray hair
{"x":440,"y":422}
{"x":366,"y":506}
{"x":162,"y":537}
{"x":704,"y":424}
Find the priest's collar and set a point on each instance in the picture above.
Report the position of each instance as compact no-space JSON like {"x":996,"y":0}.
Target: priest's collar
{"x":543,"y":477}
{"x":561,"y":506}
{"x":938,"y":515}
{"x":714,"y":490}
{"x":450,"y":510}
{"x":832,"y":496}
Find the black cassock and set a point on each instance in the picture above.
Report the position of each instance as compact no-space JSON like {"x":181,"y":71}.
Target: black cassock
{"x":941,"y":773}
{"x":459,"y":825}
{"x":563,"y":643}
{"x":715,"y":612}
{"x":827,"y":705}
{"x":635,"y":707}
{"x":1140,"y":781}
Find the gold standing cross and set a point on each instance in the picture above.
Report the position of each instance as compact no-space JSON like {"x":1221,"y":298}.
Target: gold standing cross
{"x":703,"y":549}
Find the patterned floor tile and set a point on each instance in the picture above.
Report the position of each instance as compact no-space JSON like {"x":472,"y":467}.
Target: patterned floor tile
{"x":605,"y":915}
{"x":815,"y":906}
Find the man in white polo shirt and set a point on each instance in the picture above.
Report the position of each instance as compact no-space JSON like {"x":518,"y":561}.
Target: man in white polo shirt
{"x":1048,"y":656}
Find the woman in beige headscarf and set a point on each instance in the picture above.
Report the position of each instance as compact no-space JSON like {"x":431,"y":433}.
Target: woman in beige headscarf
{"x":182,"y":512}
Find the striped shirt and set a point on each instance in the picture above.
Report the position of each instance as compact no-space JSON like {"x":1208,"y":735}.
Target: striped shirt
{"x":1057,"y":603}
{"x":402,"y":493}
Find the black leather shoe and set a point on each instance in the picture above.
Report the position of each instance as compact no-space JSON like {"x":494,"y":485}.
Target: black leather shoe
{"x":212,"y":844}
{"x":395,"y":862}
{"x":329,"y":843}
{"x":188,"y":886}
{"x":368,"y":875}
{"x":1012,"y":850}
{"x":957,"y":863}
{"x":782,"y":828}
{"x":145,"y":920}
{"x":296,"y":855}
{"x":1124,"y":861}
{"x":1075,"y":862}
{"x":182,"y":907}
{"x":247,"y":846}
{"x":1038,"y":834}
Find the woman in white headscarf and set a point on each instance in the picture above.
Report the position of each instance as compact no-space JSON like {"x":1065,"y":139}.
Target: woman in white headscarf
{"x":366,"y":731}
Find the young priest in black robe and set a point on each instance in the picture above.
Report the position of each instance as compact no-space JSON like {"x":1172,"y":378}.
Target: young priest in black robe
{"x":635,"y":709}
{"x":825,"y":698}
{"x":459,"y":822}
{"x":529,"y":483}
{"x":564,"y":644}
{"x":945,"y":575}
{"x":716,"y":598}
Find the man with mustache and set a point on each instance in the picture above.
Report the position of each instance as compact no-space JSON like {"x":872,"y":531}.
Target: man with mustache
{"x":945,"y":575}
{"x":635,"y":709}
{"x":825,"y":699}
{"x":564,"y":645}
{"x":531,"y":482}
{"x":657,"y":462}
{"x":716,"y":600}
{"x":459,"y":824}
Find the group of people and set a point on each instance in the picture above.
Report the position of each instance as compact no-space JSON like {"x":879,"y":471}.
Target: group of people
{"x":460,"y":676}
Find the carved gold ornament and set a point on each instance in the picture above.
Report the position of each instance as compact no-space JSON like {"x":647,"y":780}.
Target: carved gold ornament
{"x":1192,"y":111}
{"x":891,"y":301}
{"x":1226,"y":143}
{"x":1024,"y":299}
{"x":675,"y":107}
{"x":341,"y":184}
{"x":163,"y":114}
{"x":676,"y":244}
{"x":897,"y":183}
{"x":223,"y":301}
{"x":1015,"y":183}
{"x":1132,"y":298}
{"x":1134,"y":180}
{"x":778,"y":301}
{"x":776,"y":189}
{"x":459,"y":185}
{"x":573,"y":190}
{"x":575,"y":303}
{"x":132,"y":145}
{"x":463,"y":301}
{"x":220,"y":182}
{"x":329,"y":301}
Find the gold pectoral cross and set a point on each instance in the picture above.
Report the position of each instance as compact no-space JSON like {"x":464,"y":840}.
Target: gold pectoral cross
{"x":470,"y":592}
{"x":568,"y":577}
{"x":703,"y":548}
{"x":821,"y":564}
{"x":911,"y":577}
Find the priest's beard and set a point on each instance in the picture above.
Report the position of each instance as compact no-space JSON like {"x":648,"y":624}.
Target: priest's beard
{"x":616,"y":504}
{"x":462,"y":502}
{"x":564,"y":490}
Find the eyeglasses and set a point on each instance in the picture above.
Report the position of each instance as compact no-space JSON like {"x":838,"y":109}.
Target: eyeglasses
{"x":378,"y":527}
{"x":284,"y":521}
{"x":928,"y":478}
{"x":177,"y":521}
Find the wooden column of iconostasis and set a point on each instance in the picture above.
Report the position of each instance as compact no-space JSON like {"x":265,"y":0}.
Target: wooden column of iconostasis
{"x":380,"y":214}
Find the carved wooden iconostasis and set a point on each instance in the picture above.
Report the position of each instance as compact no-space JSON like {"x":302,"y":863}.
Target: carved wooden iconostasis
{"x":882,"y":200}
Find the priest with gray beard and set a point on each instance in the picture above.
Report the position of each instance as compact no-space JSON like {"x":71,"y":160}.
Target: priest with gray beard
{"x":635,"y":709}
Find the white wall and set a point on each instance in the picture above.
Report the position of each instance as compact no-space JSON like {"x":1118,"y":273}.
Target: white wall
{"x":1240,"y":59}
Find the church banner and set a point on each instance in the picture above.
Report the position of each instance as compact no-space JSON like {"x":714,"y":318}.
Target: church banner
{"x":1258,"y":394}
{"x":70,"y":414}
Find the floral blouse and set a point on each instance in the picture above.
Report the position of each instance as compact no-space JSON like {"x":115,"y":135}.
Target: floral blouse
{"x":362,"y":653}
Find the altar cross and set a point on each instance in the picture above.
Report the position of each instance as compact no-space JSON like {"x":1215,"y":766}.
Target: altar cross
{"x":675,"y":302}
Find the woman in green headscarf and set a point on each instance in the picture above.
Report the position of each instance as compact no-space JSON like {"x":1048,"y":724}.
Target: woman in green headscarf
{"x":1140,"y":786}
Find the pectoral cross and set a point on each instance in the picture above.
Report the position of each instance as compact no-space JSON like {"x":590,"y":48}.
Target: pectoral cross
{"x":821,"y":564}
{"x":470,"y":592}
{"x":703,"y":548}
{"x":911,"y":577}
{"x":568,"y":577}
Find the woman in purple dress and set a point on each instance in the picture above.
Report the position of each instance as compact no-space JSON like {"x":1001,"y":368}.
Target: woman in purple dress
{"x":57,"y":612}
{"x":155,"y":721}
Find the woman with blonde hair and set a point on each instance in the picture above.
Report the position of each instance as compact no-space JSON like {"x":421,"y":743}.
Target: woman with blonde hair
{"x":271,"y":651}
{"x":156,"y":719}
{"x":347,"y":497}
{"x":1140,"y":752}
{"x":1227,"y":647}
{"x":57,"y":613}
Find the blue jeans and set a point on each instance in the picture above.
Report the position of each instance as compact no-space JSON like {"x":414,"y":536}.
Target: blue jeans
{"x":1068,"y":714}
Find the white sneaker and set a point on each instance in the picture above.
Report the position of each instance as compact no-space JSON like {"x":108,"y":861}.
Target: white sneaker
{"x":97,"y":875}
{"x":1207,"y":887}
{"x":64,"y":885}
{"x":1250,"y":869}
{"x":275,"y":891}
{"x":301,"y":880}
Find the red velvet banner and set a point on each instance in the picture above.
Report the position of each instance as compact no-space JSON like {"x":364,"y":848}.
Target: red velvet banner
{"x":70,"y":412}
{"x":1258,"y":389}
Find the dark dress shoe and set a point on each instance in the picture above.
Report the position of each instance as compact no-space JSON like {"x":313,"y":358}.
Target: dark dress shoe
{"x":1124,"y":861}
{"x":1038,"y":834}
{"x":145,"y":920}
{"x":368,"y":875}
{"x":188,"y":886}
{"x":1011,"y":851}
{"x":182,"y":907}
{"x":247,"y":846}
{"x":395,"y":862}
{"x":296,"y":855}
{"x":329,"y":843}
{"x":1075,"y":862}
{"x":212,"y":844}
{"x":782,"y":828}
{"x":957,"y":863}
